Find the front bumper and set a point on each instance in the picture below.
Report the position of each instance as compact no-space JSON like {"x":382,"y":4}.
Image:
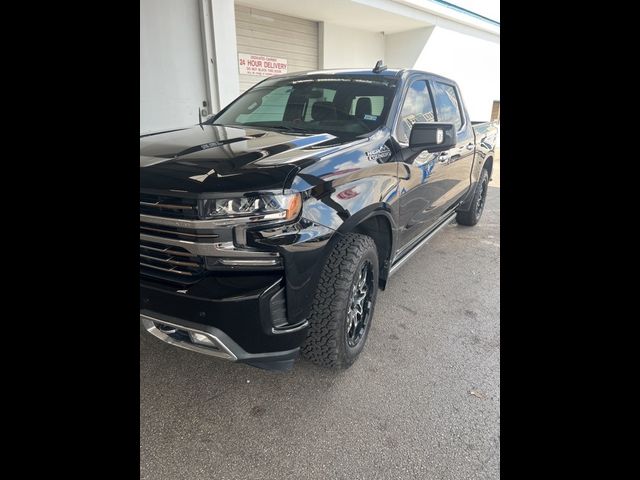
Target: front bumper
{"x":246,"y":289}
{"x":212,"y":341}
{"x":237,"y":315}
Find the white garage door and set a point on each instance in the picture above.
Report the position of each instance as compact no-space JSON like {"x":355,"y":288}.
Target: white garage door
{"x":275,"y":36}
{"x":172,"y":85}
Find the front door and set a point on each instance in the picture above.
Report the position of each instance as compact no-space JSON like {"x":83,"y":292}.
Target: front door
{"x":425,"y":179}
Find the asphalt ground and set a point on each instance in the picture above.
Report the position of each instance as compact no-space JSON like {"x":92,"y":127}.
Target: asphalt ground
{"x":422,"y":401}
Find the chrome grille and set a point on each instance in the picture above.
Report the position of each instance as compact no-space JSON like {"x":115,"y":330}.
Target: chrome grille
{"x":170,"y":260}
{"x":175,"y":232}
{"x":165,"y":206}
{"x":168,"y":248}
{"x":178,"y":247}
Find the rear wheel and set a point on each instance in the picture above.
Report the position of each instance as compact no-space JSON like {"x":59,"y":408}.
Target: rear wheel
{"x":342,"y":308}
{"x":472,"y":216}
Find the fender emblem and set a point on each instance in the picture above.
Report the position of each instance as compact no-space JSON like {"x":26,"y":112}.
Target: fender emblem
{"x":379,"y":154}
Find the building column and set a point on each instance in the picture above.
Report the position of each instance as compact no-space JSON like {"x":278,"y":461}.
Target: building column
{"x":220,"y":51}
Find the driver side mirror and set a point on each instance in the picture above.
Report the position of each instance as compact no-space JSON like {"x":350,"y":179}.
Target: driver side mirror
{"x":433,"y":136}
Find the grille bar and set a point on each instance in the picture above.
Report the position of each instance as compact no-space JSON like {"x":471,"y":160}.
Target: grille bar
{"x":159,"y":229}
{"x":167,"y":206}
{"x":168,"y":270}
{"x":167,"y":250}
{"x":170,"y":259}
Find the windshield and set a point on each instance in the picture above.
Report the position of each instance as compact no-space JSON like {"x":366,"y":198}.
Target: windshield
{"x":337,"y":105}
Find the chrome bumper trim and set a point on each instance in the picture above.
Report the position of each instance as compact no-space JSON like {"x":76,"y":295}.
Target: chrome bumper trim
{"x":295,"y":328}
{"x":220,"y":350}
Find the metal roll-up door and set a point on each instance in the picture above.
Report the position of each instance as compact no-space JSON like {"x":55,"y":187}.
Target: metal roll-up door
{"x":276,"y":36}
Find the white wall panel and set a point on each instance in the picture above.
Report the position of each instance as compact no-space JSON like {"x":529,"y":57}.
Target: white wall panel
{"x":172,"y":79}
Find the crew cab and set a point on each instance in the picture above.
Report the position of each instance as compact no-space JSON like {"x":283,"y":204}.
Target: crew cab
{"x":267,"y":230}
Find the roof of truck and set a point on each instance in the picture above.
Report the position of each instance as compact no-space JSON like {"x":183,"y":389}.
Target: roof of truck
{"x":389,"y":72}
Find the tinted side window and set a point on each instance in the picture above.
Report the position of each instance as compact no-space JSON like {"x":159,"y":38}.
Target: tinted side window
{"x":447,"y":104}
{"x":416,"y":108}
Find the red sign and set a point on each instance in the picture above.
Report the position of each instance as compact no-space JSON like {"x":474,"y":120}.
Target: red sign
{"x":260,"y":65}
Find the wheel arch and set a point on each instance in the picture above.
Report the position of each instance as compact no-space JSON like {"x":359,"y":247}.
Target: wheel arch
{"x":376,"y":222}
{"x":488,"y":165}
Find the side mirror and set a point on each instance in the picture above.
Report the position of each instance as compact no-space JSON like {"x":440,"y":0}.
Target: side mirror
{"x":433,"y":136}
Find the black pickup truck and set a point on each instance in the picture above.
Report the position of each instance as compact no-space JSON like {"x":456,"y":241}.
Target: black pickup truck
{"x":267,"y":230}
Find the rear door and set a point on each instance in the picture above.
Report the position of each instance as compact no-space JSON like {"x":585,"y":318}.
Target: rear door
{"x":457,"y":161}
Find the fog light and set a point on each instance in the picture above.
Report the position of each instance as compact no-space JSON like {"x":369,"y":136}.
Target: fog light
{"x":201,"y":339}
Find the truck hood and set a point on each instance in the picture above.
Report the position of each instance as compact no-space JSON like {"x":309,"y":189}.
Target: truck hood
{"x":211,"y":158}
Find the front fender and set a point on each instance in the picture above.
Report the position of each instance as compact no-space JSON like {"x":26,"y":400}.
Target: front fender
{"x":340,"y":192}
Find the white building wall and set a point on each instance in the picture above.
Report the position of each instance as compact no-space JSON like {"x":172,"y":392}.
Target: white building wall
{"x":402,"y":50}
{"x":345,"y":47}
{"x":171,"y":67}
{"x":173,"y":55}
{"x":225,"y":53}
{"x":474,"y":63}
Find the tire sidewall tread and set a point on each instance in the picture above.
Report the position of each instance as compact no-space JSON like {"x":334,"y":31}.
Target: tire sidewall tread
{"x":326,"y":340}
{"x":469,"y":218}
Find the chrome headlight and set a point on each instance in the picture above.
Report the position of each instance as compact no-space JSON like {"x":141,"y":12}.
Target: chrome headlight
{"x":256,"y":208}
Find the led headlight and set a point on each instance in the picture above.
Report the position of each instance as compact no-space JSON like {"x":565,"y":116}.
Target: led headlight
{"x":257,"y":208}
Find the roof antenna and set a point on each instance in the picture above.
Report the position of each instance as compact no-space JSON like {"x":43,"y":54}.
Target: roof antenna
{"x":379,"y":67}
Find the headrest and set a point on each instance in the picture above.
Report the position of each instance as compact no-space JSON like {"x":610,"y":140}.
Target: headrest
{"x":323,"y":111}
{"x":363,"y":107}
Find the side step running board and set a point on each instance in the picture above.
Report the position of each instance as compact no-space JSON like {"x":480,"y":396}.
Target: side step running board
{"x":398,"y":263}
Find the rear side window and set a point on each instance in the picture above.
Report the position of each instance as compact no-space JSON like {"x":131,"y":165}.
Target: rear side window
{"x":417,"y":107}
{"x":447,"y":104}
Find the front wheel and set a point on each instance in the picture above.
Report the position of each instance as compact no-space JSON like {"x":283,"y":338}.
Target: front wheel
{"x":472,"y":216}
{"x":342,"y":308}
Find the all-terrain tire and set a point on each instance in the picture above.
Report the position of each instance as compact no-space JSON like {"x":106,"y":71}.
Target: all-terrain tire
{"x":328,"y":339}
{"x":472,"y":216}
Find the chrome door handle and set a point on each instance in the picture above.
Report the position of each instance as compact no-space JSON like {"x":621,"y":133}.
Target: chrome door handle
{"x":444,"y":157}
{"x":470,"y":146}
